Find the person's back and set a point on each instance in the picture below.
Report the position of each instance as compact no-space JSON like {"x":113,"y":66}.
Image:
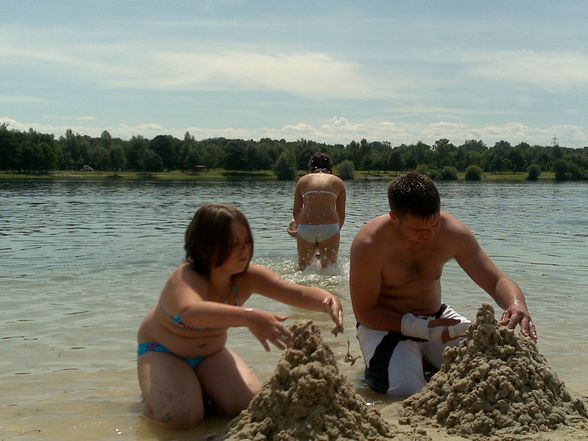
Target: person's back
{"x":319,"y":212}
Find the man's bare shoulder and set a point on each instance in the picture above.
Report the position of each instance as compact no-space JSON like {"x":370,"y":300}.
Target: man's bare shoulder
{"x":454,"y":226}
{"x":372,"y":233}
{"x":456,"y":234}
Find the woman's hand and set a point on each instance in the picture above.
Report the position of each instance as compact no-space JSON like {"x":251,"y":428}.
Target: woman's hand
{"x":332,"y":306}
{"x":293,"y":228}
{"x":267,"y":327}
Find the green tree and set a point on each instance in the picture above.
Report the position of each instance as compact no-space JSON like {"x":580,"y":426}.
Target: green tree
{"x":345,"y":169}
{"x":473,"y":173}
{"x":444,"y":153}
{"x":533,"y":172}
{"x":285,"y":168}
{"x":10,"y":150}
{"x":151,"y":162}
{"x":118,"y":158}
{"x":560,"y":167}
{"x":395,"y":162}
{"x":236,"y":155}
{"x":135,"y":150}
{"x":449,"y":173}
{"x":167,"y":148}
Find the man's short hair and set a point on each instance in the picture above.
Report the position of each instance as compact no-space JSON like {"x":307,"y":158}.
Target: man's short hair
{"x":414,"y":194}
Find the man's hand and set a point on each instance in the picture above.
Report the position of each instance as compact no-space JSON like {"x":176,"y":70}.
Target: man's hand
{"x":439,"y":329}
{"x":517,"y":314}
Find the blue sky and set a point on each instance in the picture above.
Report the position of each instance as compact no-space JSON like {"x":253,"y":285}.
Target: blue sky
{"x":329,"y":71}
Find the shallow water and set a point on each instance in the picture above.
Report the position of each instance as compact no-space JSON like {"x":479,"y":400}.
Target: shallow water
{"x":81,"y":262}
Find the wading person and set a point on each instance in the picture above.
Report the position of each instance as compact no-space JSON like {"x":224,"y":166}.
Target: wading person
{"x":318,"y":213}
{"x":395,"y":284}
{"x":182,"y":352}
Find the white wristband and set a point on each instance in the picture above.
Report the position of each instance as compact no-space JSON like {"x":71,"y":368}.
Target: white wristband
{"x":412,"y":326}
{"x":436,"y":334}
{"x":458,"y":330}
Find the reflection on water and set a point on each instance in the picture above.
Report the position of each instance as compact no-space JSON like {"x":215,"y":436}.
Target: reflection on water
{"x":82,"y":262}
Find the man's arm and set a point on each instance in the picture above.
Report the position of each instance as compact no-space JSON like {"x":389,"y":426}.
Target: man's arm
{"x":505,"y":292}
{"x":365,"y":283}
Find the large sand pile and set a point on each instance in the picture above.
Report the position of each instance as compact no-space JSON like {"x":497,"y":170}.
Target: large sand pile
{"x":494,"y":382}
{"x":308,"y":399}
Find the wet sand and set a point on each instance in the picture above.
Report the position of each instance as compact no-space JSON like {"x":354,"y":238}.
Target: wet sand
{"x":73,"y":405}
{"x":494,"y":385}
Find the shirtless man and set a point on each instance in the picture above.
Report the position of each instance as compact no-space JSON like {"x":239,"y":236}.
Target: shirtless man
{"x":395,"y":271}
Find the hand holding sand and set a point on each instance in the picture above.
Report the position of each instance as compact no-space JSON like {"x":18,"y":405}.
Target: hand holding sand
{"x":267,"y":327}
{"x":333,"y":307}
{"x":517,"y":314}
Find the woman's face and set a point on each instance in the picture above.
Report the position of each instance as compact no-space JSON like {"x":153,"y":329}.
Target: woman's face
{"x":241,"y":249}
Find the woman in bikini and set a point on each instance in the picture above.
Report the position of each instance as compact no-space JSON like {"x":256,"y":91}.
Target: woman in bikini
{"x":318,"y":213}
{"x":182,"y":352}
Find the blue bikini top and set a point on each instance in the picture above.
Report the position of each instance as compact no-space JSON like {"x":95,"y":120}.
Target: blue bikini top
{"x":178,"y":320}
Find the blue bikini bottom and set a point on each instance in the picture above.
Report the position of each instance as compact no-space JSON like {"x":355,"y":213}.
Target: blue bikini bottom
{"x":144,"y":348}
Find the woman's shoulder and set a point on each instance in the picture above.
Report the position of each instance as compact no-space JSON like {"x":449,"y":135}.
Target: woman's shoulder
{"x":254,"y":270}
{"x":254,"y":278}
{"x":184,"y":276}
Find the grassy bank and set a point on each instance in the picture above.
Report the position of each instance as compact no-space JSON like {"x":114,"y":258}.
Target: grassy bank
{"x":220,"y":174}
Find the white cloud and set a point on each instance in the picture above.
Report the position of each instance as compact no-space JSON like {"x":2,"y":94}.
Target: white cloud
{"x":339,"y":130}
{"x":21,"y":99}
{"x":548,"y":70}
{"x":142,"y":66}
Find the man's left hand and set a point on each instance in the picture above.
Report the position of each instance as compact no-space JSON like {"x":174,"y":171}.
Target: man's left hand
{"x":517,"y":314}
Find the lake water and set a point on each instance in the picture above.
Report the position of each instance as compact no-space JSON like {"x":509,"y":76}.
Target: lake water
{"x":81,"y":263}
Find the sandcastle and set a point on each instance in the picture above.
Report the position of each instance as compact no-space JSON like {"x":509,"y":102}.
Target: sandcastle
{"x":308,"y":399}
{"x":494,"y":382}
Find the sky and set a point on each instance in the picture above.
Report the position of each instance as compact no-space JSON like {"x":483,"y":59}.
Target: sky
{"x":327,"y":71}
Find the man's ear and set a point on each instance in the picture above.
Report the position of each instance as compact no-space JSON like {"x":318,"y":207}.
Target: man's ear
{"x":394,"y":217}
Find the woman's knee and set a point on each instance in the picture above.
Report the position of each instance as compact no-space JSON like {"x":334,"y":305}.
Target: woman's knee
{"x":237,"y":403}
{"x":179,"y":415}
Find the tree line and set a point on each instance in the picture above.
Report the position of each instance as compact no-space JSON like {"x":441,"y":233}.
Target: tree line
{"x":31,"y":151}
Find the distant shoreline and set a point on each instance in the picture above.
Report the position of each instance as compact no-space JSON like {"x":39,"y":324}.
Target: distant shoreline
{"x":225,"y":175}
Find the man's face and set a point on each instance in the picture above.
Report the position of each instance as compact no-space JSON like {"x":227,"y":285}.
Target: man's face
{"x":419,"y":230}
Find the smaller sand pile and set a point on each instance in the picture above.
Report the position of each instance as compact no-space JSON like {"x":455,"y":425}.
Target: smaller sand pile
{"x":494,"y":382}
{"x":308,"y":399}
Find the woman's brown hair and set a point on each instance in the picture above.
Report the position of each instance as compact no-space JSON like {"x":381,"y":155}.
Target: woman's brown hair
{"x":208,"y":240}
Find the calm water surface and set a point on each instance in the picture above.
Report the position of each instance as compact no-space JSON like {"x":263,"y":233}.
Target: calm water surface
{"x":81,"y":263}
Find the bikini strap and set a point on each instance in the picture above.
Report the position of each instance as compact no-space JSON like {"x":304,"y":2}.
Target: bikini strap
{"x":235,"y":294}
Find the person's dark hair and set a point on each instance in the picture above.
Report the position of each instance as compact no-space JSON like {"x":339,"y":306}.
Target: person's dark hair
{"x":208,"y":241}
{"x":320,"y":161}
{"x":414,"y":194}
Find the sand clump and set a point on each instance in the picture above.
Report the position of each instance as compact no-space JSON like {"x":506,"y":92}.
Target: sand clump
{"x":308,"y":399}
{"x":494,"y":383}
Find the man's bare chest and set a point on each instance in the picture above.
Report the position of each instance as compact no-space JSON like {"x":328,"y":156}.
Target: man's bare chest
{"x":402,"y":268}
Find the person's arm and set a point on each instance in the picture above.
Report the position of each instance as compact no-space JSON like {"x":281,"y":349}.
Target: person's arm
{"x":180,"y":297}
{"x":505,"y":292}
{"x":341,"y":201}
{"x":297,"y":208}
{"x":365,"y":283}
{"x":266,"y":282}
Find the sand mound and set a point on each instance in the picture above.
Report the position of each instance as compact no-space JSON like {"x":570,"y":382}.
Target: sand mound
{"x":494,"y":382}
{"x":308,"y":399}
